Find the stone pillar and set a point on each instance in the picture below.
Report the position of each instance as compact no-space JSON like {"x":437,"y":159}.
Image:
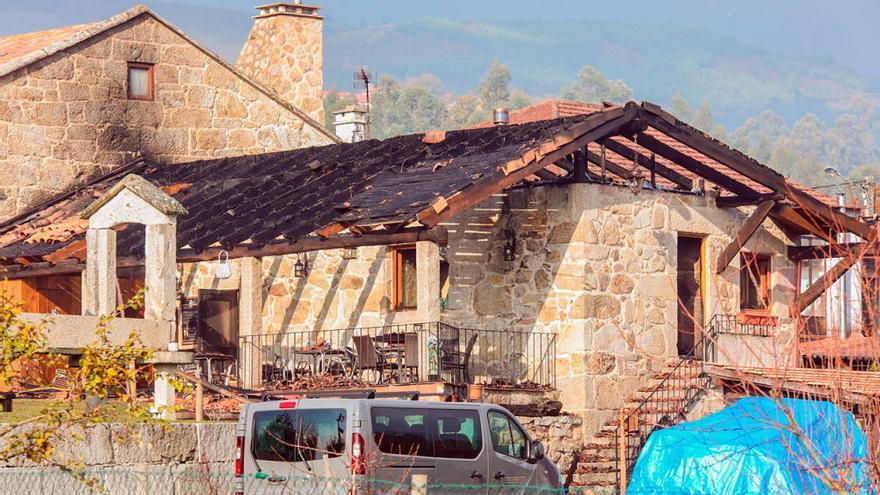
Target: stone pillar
{"x":428,"y":281}
{"x":250,"y":319}
{"x":163,"y":390}
{"x":160,"y":268}
{"x":99,"y":297}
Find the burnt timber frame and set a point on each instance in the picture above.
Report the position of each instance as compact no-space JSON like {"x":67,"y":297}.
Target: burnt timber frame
{"x":743,"y":235}
{"x":633,"y":130}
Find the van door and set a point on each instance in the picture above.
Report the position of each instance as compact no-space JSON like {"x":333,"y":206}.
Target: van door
{"x":290,"y":447}
{"x":508,"y":460}
{"x":446,"y":444}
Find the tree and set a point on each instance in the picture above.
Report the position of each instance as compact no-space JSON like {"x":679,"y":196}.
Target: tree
{"x":398,"y":110}
{"x":519,"y":99}
{"x":495,"y":87}
{"x":592,"y":86}
{"x":681,"y":108}
{"x":464,"y":112}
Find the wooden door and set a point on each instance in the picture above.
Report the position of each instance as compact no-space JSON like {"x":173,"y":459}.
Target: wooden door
{"x":690,"y":293}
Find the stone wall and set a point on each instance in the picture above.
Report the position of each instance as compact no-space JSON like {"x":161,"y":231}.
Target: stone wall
{"x":67,"y":117}
{"x":562,"y":437}
{"x":594,"y":264}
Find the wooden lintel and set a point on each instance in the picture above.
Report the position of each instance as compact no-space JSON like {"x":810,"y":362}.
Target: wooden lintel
{"x":438,"y":235}
{"x":818,"y":287}
{"x":743,"y":235}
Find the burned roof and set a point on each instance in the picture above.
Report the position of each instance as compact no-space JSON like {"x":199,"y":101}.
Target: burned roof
{"x":406,"y":182}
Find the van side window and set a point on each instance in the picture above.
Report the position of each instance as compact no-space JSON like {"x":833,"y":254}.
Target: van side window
{"x":507,"y":438}
{"x":453,"y":434}
{"x":402,"y":431}
{"x":458,"y":434}
{"x":294,"y":435}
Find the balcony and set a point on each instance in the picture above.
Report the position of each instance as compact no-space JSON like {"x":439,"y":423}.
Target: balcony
{"x":408,"y":354}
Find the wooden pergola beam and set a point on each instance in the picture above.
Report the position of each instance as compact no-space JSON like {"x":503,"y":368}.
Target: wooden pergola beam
{"x":737,"y":201}
{"x":616,"y":145}
{"x":817,"y":288}
{"x":610,"y":165}
{"x":790,"y":216}
{"x":833,"y":250}
{"x":743,"y":235}
{"x":438,"y":235}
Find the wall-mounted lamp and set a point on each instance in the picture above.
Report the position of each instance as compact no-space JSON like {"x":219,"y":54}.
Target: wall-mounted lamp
{"x":301,"y":267}
{"x":224,"y":269}
{"x":509,"y":245}
{"x":350,"y":253}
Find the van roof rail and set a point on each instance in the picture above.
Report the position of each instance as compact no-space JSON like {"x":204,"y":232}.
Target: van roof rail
{"x":366,"y":393}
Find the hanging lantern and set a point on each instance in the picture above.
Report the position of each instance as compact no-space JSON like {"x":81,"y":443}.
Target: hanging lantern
{"x":509,"y":245}
{"x":224,"y":269}
{"x":301,"y":267}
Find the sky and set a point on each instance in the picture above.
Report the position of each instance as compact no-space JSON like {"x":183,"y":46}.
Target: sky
{"x":841,"y":30}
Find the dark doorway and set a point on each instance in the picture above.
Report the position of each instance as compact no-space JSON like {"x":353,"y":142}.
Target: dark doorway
{"x":218,"y":321}
{"x":690,"y":293}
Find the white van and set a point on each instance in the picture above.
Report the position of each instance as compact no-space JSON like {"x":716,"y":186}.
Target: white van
{"x":373,"y":445}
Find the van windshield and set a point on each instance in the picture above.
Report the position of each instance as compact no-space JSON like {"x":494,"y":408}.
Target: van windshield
{"x":292,"y":435}
{"x":444,"y":433}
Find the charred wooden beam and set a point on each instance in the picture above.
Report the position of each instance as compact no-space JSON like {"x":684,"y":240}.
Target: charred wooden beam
{"x":616,"y":145}
{"x":592,"y":128}
{"x":743,"y":235}
{"x":833,"y":250}
{"x":438,"y":235}
{"x":610,"y":165}
{"x":580,"y":167}
{"x":818,"y":287}
{"x":690,"y":163}
{"x":744,"y":165}
{"x":737,"y":201}
{"x":790,"y":216}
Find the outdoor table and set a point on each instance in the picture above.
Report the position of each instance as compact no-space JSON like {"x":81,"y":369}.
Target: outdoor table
{"x":319,"y":356}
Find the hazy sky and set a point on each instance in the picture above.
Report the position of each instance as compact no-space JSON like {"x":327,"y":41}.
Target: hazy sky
{"x":842,"y":30}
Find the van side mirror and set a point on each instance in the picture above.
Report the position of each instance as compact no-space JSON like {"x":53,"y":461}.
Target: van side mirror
{"x":537,"y":451}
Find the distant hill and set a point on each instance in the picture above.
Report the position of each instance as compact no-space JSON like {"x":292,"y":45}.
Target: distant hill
{"x":656,"y":60}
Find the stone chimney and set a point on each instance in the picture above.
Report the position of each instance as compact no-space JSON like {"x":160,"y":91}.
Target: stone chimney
{"x":284,"y":52}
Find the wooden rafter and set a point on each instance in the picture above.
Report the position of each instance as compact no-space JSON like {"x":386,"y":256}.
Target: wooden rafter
{"x":737,"y":201}
{"x":610,"y":165}
{"x":662,"y":149}
{"x":743,"y":235}
{"x":616,"y":145}
{"x":601,"y":125}
{"x":748,"y":167}
{"x":818,"y":287}
{"x":790,"y":216}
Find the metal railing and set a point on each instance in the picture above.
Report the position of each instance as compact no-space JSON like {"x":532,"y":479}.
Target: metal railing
{"x":666,"y":405}
{"x":731,"y":325}
{"x":443,"y":352}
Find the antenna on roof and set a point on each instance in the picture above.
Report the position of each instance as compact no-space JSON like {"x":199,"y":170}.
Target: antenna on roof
{"x":362,"y":79}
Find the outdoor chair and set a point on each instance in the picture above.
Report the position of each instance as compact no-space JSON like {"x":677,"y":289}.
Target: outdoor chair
{"x":411,"y":356}
{"x":369,"y":358}
{"x":459,"y":362}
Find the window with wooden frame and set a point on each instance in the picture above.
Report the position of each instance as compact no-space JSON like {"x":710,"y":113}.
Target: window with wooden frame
{"x":140,"y":81}
{"x":754,"y":283}
{"x":405,"y":288}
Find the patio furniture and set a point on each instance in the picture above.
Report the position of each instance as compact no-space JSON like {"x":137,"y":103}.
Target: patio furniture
{"x":457,"y":361}
{"x":411,"y":356}
{"x":369,"y":358}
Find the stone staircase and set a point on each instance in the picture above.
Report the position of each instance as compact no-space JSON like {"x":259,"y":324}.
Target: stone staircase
{"x":664,"y":401}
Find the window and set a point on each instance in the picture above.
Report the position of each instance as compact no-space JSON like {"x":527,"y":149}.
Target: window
{"x":405,"y":289}
{"x":299,"y":435}
{"x":507,"y":437}
{"x":451,"y":434}
{"x":754,"y":282}
{"x":140,"y":81}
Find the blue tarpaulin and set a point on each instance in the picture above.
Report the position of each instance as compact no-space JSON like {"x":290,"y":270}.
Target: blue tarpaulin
{"x":757,"y":446}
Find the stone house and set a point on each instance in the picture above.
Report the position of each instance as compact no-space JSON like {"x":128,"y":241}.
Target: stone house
{"x":78,"y":101}
{"x":588,"y":252}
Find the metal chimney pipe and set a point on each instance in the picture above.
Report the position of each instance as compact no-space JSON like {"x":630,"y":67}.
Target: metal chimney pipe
{"x":502,"y":116}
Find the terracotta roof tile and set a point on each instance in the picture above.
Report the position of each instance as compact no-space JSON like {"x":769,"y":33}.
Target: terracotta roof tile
{"x":19,"y":46}
{"x":546,"y":110}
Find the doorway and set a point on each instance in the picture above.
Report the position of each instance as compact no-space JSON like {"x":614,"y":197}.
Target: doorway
{"x":690,"y":293}
{"x":218,"y":322}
